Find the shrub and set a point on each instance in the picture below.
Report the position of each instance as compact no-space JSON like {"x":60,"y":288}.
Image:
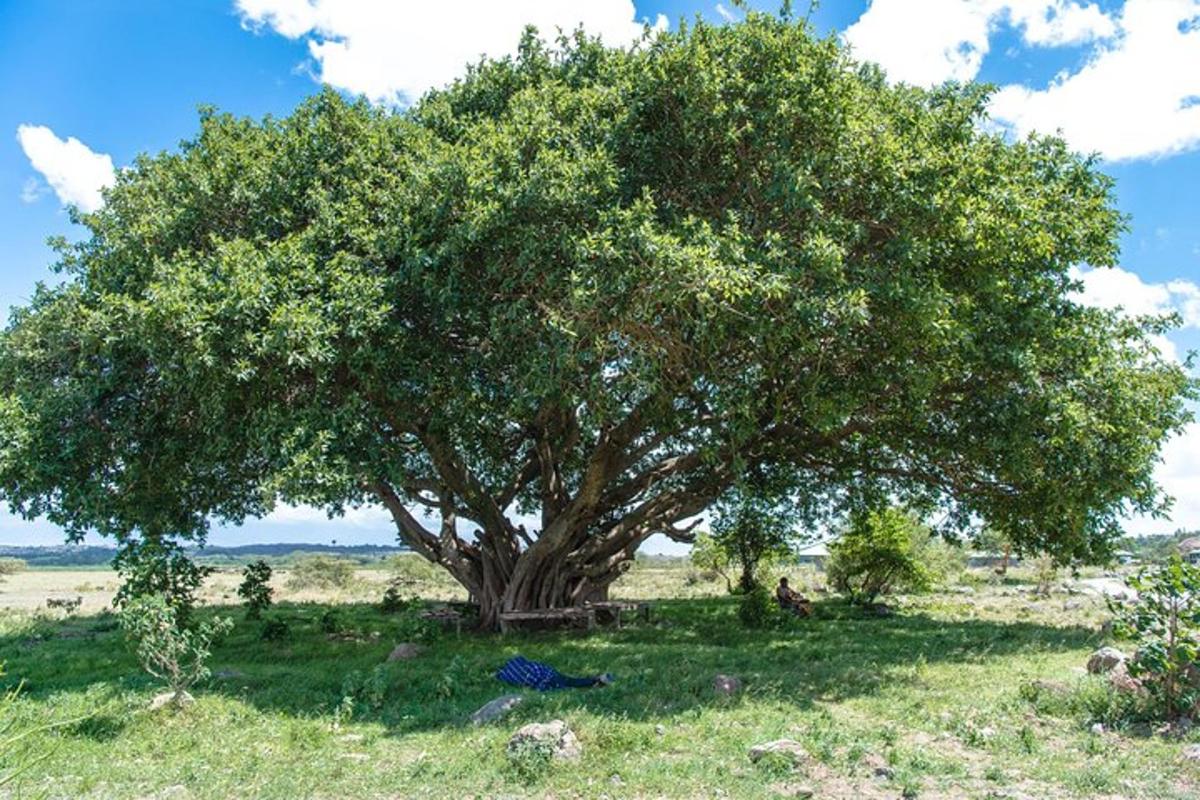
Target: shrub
{"x":393,"y":600}
{"x":256,"y":588}
{"x":331,"y":621}
{"x":756,"y":609}
{"x":166,"y":649}
{"x":274,"y":630}
{"x":1165,"y":625}
{"x":321,"y":572}
{"x":367,"y":689}
{"x":11,"y":566}
{"x":878,"y":553}
{"x":152,"y":567}
{"x":68,"y":605}
{"x":712,"y":559}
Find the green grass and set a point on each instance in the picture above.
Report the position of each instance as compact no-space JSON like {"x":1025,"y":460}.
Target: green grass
{"x":935,"y":694}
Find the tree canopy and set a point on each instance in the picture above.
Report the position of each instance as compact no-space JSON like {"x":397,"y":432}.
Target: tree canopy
{"x":596,"y":286}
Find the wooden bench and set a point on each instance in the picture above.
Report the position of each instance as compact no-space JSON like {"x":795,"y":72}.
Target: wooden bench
{"x":569,"y":615}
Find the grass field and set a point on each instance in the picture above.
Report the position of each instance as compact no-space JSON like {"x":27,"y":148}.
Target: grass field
{"x":933,"y":702}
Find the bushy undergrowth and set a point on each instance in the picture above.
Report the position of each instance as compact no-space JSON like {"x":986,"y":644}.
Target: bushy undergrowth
{"x":255,"y":589}
{"x":321,"y":572}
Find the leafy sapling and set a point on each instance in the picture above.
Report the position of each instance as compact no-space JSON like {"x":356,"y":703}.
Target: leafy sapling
{"x":171,"y":652}
{"x":256,"y":589}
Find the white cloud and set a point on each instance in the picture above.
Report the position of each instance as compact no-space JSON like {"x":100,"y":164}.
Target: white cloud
{"x":1135,"y":97}
{"x":1116,"y":288}
{"x":940,"y":40}
{"x":33,"y":190}
{"x":74,"y":172}
{"x":394,"y":52}
{"x":725,"y":13}
{"x":363,"y":516}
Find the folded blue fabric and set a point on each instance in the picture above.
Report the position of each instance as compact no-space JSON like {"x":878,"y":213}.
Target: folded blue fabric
{"x":520,"y":671}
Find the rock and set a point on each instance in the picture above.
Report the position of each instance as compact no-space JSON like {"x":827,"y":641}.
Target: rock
{"x":727,"y":685}
{"x":554,"y":735}
{"x":661,"y":730}
{"x":405,"y":651}
{"x":1106,"y":659}
{"x":170,"y":698}
{"x":1191,"y":752}
{"x":1120,"y":679}
{"x":801,"y":790}
{"x":878,"y":610}
{"x":496,"y":709}
{"x":961,"y":590}
{"x":228,"y":674}
{"x":1050,"y":687}
{"x":787,"y":748}
{"x":1072,"y":605}
{"x":878,"y":765}
{"x":1097,"y":728}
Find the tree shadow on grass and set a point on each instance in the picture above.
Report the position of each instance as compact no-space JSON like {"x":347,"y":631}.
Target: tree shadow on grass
{"x":664,"y":669}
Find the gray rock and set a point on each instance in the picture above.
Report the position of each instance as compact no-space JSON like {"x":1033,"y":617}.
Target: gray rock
{"x":727,"y":685}
{"x":1097,"y":728}
{"x":554,"y":735}
{"x":496,"y":709}
{"x":1191,"y":752}
{"x":1106,"y":659}
{"x":661,"y":730}
{"x":405,"y":651}
{"x":171,"y":699}
{"x":787,"y":748}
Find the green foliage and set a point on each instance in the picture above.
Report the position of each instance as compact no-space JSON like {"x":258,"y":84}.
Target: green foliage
{"x":601,"y":282}
{"x":275,"y":629}
{"x":332,"y":622}
{"x":1164,"y":622}
{"x":174,"y":654}
{"x":154,"y":567}
{"x":366,"y":689}
{"x":321,"y":572}
{"x":16,"y":755}
{"x":255,"y":588}
{"x":878,"y":552}
{"x":756,"y":608}
{"x":754,"y":526}
{"x":709,"y":556}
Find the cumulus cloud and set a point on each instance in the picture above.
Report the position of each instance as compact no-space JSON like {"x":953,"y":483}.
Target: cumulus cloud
{"x":74,"y":172}
{"x":1116,"y":288}
{"x":1137,"y":94}
{"x":1136,"y":97}
{"x":394,"y":52}
{"x":940,"y":40}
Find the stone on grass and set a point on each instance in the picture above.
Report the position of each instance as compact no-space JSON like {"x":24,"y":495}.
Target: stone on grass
{"x":1097,"y":728}
{"x":1106,"y":659}
{"x":555,"y":736}
{"x":727,"y":685}
{"x":405,"y":651}
{"x":170,"y":698}
{"x":661,"y":730}
{"x":1120,"y":679}
{"x":787,"y":748}
{"x":1192,"y":752}
{"x":496,"y":708}
{"x":878,"y":765}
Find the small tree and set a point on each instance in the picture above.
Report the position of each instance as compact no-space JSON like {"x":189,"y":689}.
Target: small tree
{"x":711,"y":557}
{"x":994,"y":542}
{"x":321,"y":572}
{"x":876,"y":553}
{"x":1165,"y":624}
{"x":256,"y":588}
{"x":166,"y":649}
{"x":751,"y":529}
{"x":160,"y":568}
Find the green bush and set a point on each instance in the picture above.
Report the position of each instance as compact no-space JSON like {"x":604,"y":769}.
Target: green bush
{"x":11,"y":566}
{"x":256,"y":588}
{"x":153,"y":567}
{"x":1164,"y":622}
{"x":168,"y":650}
{"x":274,"y":630}
{"x":878,"y":552}
{"x":321,"y":572}
{"x":756,"y":609}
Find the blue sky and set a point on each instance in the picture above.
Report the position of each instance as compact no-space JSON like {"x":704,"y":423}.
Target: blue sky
{"x":87,"y":85}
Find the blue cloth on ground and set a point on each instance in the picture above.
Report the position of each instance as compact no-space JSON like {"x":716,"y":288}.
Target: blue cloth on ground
{"x":520,"y":671}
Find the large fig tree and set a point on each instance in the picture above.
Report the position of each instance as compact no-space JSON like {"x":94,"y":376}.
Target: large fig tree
{"x":593,"y":288}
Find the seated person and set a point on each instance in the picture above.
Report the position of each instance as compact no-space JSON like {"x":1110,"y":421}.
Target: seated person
{"x":791,"y":600}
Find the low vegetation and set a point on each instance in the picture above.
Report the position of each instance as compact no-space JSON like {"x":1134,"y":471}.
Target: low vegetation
{"x":956,"y":695}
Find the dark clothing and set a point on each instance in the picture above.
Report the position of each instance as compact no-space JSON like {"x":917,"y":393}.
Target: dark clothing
{"x":520,"y":671}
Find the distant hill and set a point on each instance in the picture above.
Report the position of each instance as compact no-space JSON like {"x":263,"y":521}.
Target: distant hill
{"x":277,"y":554}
